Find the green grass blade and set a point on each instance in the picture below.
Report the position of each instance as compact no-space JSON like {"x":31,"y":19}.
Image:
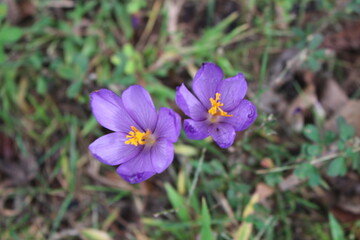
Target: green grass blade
{"x":206,"y":233}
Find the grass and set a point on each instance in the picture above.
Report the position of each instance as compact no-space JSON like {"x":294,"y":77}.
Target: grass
{"x":52,"y":61}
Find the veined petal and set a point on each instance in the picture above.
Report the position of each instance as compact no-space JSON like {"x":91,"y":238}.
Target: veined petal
{"x":162,"y":154}
{"x":206,"y":81}
{"x":223,"y":134}
{"x":138,"y":169}
{"x":138,"y":103}
{"x":243,"y":115}
{"x":168,"y":125}
{"x":196,"y":130}
{"x":109,"y":111}
{"x":112,"y":150}
{"x":189,"y":104}
{"x":232,"y":91}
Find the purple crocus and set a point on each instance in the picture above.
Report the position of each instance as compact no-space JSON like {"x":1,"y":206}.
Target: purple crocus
{"x":218,"y":108}
{"x":142,"y":141}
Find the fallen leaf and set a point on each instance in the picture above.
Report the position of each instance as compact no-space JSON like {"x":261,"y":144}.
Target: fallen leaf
{"x":20,"y":167}
{"x":19,"y":10}
{"x":290,"y":182}
{"x":347,"y":39}
{"x":351,"y":112}
{"x":332,"y":96}
{"x":226,"y":206}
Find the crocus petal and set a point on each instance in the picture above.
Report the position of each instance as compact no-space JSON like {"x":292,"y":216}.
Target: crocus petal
{"x":162,"y":154}
{"x":206,"y":81}
{"x":168,"y":125}
{"x":189,"y":104}
{"x":138,"y":103}
{"x":109,"y":111}
{"x":138,"y":169}
{"x":223,"y":134}
{"x":232,"y":91}
{"x":243,"y":115}
{"x":196,"y":130}
{"x":112,"y":150}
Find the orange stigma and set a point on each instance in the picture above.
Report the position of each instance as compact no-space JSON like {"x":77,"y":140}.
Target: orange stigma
{"x":136,"y":137}
{"x":215,"y":109}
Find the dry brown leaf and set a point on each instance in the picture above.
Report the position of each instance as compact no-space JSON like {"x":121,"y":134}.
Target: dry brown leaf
{"x":264,"y":191}
{"x":345,"y":216}
{"x":347,"y":39}
{"x":226,"y":206}
{"x":333,"y":96}
{"x":351,"y":112}
{"x":290,"y":182}
{"x":352,"y":83}
{"x":19,"y":10}
{"x":20,"y":168}
{"x":350,"y":204}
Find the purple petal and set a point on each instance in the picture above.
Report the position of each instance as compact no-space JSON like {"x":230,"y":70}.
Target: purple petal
{"x":138,"y":103}
{"x":223,"y":134}
{"x":243,"y":115}
{"x":108,"y":110}
{"x":189,"y":104}
{"x":206,"y":81}
{"x":196,"y":130}
{"x":112,"y":150}
{"x":138,"y":169}
{"x":168,"y":125}
{"x":136,"y":177}
{"x":232,"y":91}
{"x":162,"y":154}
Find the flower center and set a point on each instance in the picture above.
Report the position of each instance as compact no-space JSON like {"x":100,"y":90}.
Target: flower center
{"x":136,"y":137}
{"x":215,"y":109}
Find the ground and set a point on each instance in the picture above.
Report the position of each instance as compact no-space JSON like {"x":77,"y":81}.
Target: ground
{"x":294,"y":174}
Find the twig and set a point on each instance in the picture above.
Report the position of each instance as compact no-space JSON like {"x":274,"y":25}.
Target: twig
{"x":150,"y":24}
{"x":61,"y":4}
{"x":313,"y":162}
{"x":64,"y":234}
{"x":174,"y":8}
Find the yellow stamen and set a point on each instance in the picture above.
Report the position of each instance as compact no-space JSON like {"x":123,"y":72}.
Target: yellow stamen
{"x":215,"y":109}
{"x":136,"y":137}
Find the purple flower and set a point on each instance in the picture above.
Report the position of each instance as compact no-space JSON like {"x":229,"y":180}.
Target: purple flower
{"x":218,"y":108}
{"x":142,"y":141}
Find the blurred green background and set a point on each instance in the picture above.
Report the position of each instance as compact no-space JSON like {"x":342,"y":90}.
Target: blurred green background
{"x":292,"y":175}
